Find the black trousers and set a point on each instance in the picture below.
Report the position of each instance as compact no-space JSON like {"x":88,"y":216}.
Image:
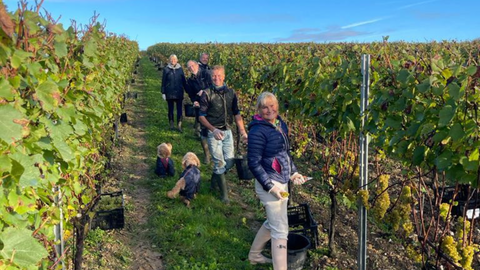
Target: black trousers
{"x":171,"y":103}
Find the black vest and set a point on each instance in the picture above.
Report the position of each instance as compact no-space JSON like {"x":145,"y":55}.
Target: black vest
{"x":219,"y":113}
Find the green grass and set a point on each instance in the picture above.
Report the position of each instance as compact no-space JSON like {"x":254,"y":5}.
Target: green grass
{"x":210,"y":235}
{"x":96,"y":243}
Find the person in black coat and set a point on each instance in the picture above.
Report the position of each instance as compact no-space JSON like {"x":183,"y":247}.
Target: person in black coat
{"x":173,"y":86}
{"x":218,"y":110}
{"x":203,"y":63}
{"x":198,"y":81}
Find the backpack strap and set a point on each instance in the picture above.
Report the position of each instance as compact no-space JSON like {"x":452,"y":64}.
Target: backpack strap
{"x":189,"y":169}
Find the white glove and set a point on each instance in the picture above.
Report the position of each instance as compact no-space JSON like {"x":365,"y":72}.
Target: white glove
{"x":218,"y":134}
{"x":277,"y":192}
{"x":164,"y":97}
{"x":297,"y":179}
{"x":244,"y":138}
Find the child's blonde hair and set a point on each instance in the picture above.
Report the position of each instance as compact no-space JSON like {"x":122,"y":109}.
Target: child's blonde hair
{"x":164,"y":150}
{"x":190,"y":159}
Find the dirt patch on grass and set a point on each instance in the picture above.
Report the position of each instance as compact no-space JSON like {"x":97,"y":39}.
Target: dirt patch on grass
{"x":131,"y":166}
{"x":130,"y":246}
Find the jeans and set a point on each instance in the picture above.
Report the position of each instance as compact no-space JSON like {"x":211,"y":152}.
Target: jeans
{"x":171,"y":103}
{"x":222,"y":152}
{"x":277,"y":216}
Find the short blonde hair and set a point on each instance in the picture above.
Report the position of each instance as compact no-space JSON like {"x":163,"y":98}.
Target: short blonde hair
{"x":261,"y":99}
{"x":164,"y":150}
{"x":219,"y":67}
{"x":172,"y":56}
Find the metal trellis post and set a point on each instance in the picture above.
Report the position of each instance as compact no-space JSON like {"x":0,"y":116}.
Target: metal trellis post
{"x":58,"y":229}
{"x":362,"y":228}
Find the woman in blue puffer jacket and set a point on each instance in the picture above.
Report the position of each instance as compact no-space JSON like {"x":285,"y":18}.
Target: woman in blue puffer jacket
{"x":271,"y":164}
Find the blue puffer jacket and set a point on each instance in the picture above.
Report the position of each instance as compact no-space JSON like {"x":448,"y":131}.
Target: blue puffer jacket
{"x":265,"y":144}
{"x":192,"y":182}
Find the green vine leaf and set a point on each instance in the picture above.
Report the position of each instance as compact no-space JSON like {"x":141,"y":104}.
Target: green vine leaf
{"x":5,"y":164}
{"x":418,"y":155}
{"x":49,"y":96}
{"x":10,"y":124}
{"x":424,"y":86}
{"x":24,"y":169}
{"x":456,"y":132}
{"x":455,"y":91}
{"x":64,"y":149}
{"x":6,"y":90}
{"x":444,"y":161}
{"x":21,"y":247}
{"x":60,"y":49}
{"x":446,"y":114}
{"x":19,"y":57}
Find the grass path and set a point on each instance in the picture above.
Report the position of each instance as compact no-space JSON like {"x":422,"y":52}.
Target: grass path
{"x":161,"y":233}
{"x":210,"y":235}
{"x":131,"y":247}
{"x":133,"y":165}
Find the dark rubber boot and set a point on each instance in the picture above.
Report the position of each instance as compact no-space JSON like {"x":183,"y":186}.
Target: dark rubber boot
{"x":172,"y":127}
{"x":222,"y":183}
{"x":213,"y":183}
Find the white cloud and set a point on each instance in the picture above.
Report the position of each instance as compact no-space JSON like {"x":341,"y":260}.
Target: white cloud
{"x":417,"y":4}
{"x":315,"y":34}
{"x":361,"y":23}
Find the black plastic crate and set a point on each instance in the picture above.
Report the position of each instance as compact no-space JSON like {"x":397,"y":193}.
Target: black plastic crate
{"x":473,"y":205}
{"x":123,"y":118}
{"x":299,"y":215}
{"x":109,"y":212}
{"x":462,"y":193}
{"x":460,"y":202}
{"x":300,"y":220}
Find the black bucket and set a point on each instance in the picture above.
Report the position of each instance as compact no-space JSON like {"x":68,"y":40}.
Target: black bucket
{"x":243,"y":171}
{"x":189,"y":110}
{"x":297,"y":246}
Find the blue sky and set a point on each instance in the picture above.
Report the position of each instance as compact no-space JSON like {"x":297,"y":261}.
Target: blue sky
{"x":178,"y":21}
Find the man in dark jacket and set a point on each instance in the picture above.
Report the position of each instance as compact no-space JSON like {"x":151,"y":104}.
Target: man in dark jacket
{"x":173,"y":85}
{"x":198,"y":81}
{"x":218,"y":109}
{"x":204,"y":57}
